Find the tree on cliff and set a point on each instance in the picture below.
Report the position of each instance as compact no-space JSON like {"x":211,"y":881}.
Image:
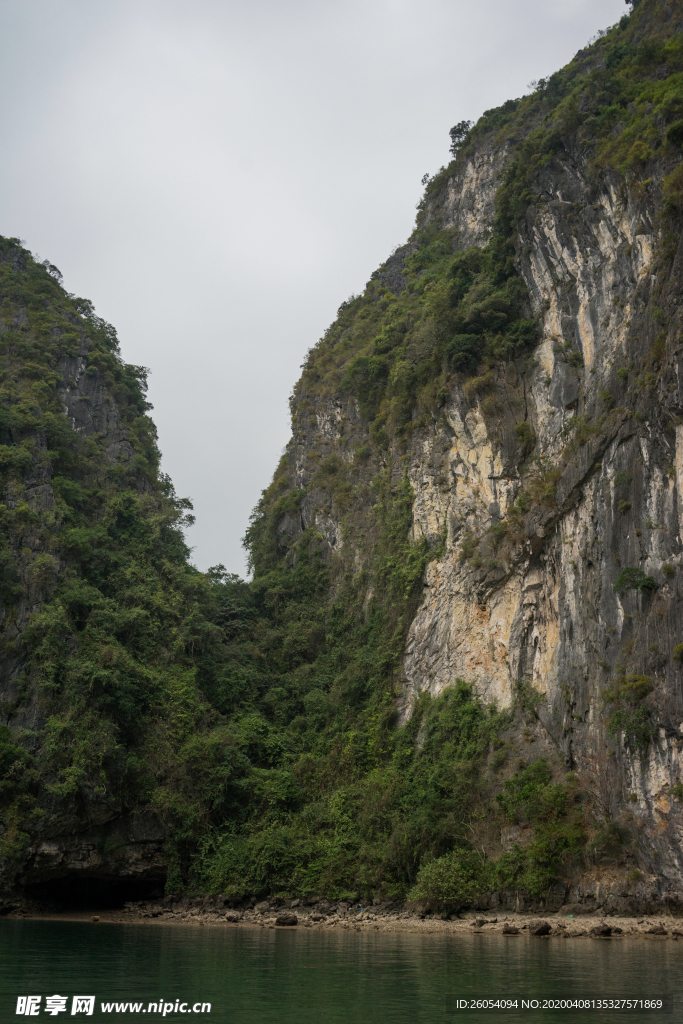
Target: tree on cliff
{"x":458,"y":134}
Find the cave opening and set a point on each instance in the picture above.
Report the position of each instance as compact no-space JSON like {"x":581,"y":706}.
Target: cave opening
{"x":75,"y":891}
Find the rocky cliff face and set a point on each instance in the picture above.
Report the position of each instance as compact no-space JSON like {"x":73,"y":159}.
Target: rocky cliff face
{"x":554,"y":481}
{"x":549,"y":613}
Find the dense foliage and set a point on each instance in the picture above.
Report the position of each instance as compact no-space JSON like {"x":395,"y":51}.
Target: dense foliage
{"x":102,"y":612}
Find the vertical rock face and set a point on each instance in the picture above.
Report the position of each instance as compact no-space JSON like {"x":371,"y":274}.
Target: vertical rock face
{"x":467,"y":204}
{"x":577,"y":591}
{"x":91,"y":409}
{"x":551,"y":615}
{"x":587,"y":280}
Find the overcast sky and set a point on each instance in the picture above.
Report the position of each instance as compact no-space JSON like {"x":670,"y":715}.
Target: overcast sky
{"x":217,"y":176}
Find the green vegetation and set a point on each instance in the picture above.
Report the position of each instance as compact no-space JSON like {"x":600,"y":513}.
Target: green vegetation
{"x":552,"y":811}
{"x":395,"y":353}
{"x":454,"y":880}
{"x":611,"y":99}
{"x":634,"y":579}
{"x":631,"y":716}
{"x":526,"y":438}
{"x":110,"y":652}
{"x":531,"y":799}
{"x":458,"y":134}
{"x":375,"y":803}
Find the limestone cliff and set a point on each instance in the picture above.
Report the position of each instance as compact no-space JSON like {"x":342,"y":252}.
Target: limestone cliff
{"x":549,"y":612}
{"x":553,"y":477}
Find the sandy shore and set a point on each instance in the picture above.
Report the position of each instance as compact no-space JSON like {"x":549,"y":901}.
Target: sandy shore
{"x":550,"y":926}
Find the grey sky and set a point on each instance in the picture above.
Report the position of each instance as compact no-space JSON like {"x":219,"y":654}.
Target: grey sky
{"x":219,"y":175}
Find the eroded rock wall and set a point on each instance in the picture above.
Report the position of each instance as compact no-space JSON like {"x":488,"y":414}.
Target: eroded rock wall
{"x":548,"y":612}
{"x":601,"y":398}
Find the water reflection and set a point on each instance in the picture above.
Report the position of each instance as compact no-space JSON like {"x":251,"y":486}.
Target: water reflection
{"x":254,"y":976}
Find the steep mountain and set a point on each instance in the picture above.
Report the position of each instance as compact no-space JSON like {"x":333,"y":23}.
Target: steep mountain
{"x":457,"y":671}
{"x":102,"y":617}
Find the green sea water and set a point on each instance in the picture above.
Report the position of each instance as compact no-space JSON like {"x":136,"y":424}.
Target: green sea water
{"x":298,"y":976}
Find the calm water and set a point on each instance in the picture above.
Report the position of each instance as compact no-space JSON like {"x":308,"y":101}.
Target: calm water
{"x":255,"y":976}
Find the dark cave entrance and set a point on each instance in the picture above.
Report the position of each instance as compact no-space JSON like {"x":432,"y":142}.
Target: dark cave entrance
{"x":89,"y":892}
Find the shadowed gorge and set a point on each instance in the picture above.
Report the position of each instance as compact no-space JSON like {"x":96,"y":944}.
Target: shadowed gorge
{"x":455,"y":675}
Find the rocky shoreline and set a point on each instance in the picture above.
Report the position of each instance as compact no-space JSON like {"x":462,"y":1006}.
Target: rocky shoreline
{"x":326,"y":916}
{"x":604,"y":903}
